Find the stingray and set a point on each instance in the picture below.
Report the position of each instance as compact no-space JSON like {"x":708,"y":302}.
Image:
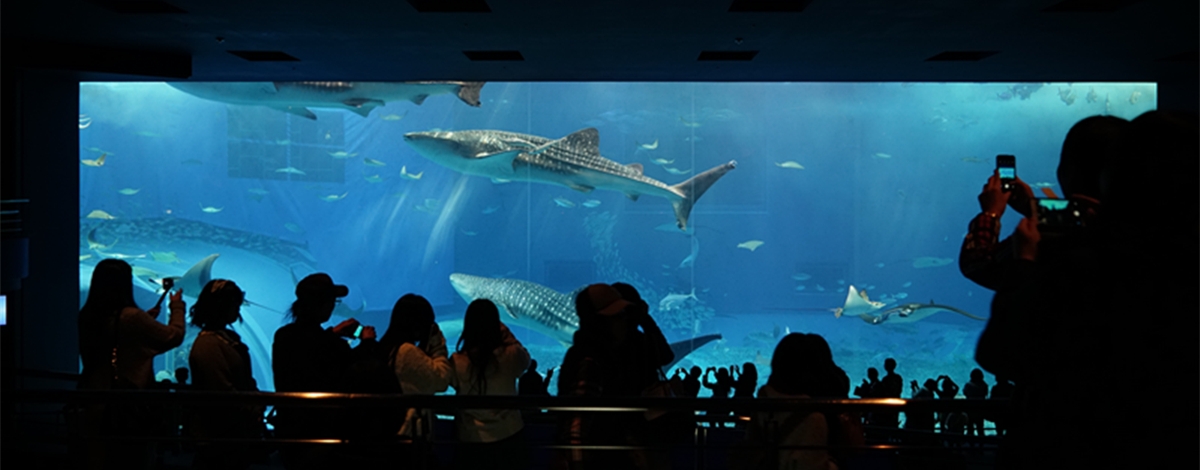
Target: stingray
{"x":911,"y":313}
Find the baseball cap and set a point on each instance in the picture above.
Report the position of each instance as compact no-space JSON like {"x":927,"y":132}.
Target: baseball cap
{"x":320,"y":286}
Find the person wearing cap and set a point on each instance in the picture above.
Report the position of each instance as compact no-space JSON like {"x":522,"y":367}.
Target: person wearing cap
{"x":610,"y":357}
{"x":220,"y":362}
{"x":308,"y":358}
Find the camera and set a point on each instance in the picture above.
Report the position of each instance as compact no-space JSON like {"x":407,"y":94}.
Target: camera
{"x":1060,"y":215}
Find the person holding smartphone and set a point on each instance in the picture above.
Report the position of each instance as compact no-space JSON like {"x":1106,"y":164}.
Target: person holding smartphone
{"x":309,"y":358}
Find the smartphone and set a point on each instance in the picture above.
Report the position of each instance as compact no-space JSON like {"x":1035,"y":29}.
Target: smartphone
{"x":1006,"y":166}
{"x":167,"y":285}
{"x":1059,"y":214}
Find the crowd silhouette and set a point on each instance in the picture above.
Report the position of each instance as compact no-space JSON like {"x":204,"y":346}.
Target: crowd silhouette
{"x":1043,"y":348}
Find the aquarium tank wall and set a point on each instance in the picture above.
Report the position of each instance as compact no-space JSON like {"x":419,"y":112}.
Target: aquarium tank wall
{"x":526,"y":192}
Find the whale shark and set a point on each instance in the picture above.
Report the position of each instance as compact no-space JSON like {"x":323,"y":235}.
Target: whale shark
{"x":542,"y":309}
{"x":912,"y":312}
{"x":573,"y":161}
{"x":357,"y":97}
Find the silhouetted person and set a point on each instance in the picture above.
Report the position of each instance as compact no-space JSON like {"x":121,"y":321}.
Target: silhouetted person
{"x":532,"y":383}
{"x":867,"y":388}
{"x":801,"y":367}
{"x":117,"y":345}
{"x":181,"y":378}
{"x":723,"y":384}
{"x":890,"y":386}
{"x":746,"y":382}
{"x":921,"y":420}
{"x":689,"y":381}
{"x":976,"y":388}
{"x":488,"y":362}
{"x":420,"y":365}
{"x":950,"y":421}
{"x":1003,"y":390}
{"x":222,"y":364}
{"x":308,"y":358}
{"x":610,"y":356}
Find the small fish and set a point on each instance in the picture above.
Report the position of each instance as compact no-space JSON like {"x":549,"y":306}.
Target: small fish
{"x":649,"y":146}
{"x":687,"y":123}
{"x":931,"y":262}
{"x":165,"y":257}
{"x":84,"y":121}
{"x":373,"y":162}
{"x":676,"y":171}
{"x":373,"y":179}
{"x":901,"y":295}
{"x":882,"y":155}
{"x":404,"y":172}
{"x":146,"y":134}
{"x":564,"y":202}
{"x":973,"y":160}
{"x":841,"y":282}
{"x":491,"y":209}
{"x":673,"y":301}
{"x":129,"y":191}
{"x":820,"y":288}
{"x":393,"y":117}
{"x":1092,"y":97}
{"x":879,"y":265}
{"x":790,"y":164}
{"x":291,"y":170}
{"x":334,"y":197}
{"x":258,"y":191}
{"x":293,"y":228}
{"x":283,"y":142}
{"x":1133,"y":97}
{"x":192,"y":161}
{"x":662,"y":161}
{"x":328,"y":136}
{"x":99,"y":162}
{"x":800,"y":287}
{"x":591,"y":203}
{"x":99,"y":214}
{"x":211,"y":209}
{"x":802,"y":276}
{"x":341,"y":154}
{"x":751,"y":244}
{"x":100,"y":150}
{"x":1067,"y":96}
{"x":841,"y":289}
{"x":468,"y":232}
{"x":907,"y":284}
{"x":83,"y":257}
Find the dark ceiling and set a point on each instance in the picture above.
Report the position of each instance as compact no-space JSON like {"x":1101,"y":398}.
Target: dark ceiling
{"x":828,"y":40}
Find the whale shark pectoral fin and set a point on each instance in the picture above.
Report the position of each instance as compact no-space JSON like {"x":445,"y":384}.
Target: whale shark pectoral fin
{"x":199,"y":275}
{"x":685,"y":347}
{"x":418,"y":99}
{"x":636,"y":167}
{"x":297,"y":110}
{"x":583,"y":188}
{"x":633,"y":196}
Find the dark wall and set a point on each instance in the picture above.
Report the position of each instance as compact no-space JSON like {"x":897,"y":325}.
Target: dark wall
{"x":41,"y":150}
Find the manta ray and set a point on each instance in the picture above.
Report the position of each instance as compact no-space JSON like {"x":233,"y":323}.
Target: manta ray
{"x":873,"y":312}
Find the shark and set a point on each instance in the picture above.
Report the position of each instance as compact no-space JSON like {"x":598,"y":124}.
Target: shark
{"x":573,"y":161}
{"x":357,"y":97}
{"x":542,"y":309}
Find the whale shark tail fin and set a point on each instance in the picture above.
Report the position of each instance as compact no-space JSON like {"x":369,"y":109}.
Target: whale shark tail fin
{"x":468,"y":92}
{"x":685,"y":347}
{"x":693,"y":188}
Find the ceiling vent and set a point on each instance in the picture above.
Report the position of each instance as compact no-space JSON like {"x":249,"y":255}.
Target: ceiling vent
{"x":450,"y":6}
{"x":1089,"y":6}
{"x":768,"y":6}
{"x":727,"y":55}
{"x":961,"y":56}
{"x":265,"y":56}
{"x":482,"y":56}
{"x":1185,"y":56}
{"x":138,"y":6}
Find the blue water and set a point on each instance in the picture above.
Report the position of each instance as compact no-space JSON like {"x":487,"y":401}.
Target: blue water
{"x":889,"y":180}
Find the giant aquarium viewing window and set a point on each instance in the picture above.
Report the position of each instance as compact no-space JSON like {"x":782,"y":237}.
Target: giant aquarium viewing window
{"x":814,"y":196}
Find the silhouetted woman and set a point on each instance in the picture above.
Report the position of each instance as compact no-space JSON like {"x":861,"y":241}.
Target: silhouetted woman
{"x":802,"y":367}
{"x":117,"y":345}
{"x":417,"y":352}
{"x":746,"y":381}
{"x":220,"y":362}
{"x":488,"y":362}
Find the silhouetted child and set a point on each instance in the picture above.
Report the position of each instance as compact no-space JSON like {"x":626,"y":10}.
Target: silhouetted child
{"x":1003,"y":390}
{"x":532,"y":383}
{"x":950,"y":422}
{"x":976,"y":388}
